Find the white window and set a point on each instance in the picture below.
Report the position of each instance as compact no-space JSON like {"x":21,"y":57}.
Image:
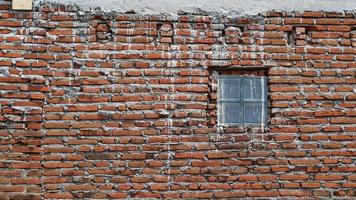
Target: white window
{"x":242,"y":100}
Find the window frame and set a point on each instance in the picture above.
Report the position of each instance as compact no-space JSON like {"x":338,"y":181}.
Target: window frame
{"x":263,"y":100}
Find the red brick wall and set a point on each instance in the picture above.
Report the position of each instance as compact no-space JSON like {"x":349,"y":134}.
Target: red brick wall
{"x":104,"y":105}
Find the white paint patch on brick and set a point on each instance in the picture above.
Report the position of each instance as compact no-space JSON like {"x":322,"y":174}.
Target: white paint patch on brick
{"x":22,"y":4}
{"x":242,"y":7}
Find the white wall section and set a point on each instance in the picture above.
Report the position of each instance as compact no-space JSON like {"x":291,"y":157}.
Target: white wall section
{"x":240,"y":7}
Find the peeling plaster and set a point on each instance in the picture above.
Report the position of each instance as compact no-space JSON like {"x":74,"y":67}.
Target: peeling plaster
{"x":226,"y":7}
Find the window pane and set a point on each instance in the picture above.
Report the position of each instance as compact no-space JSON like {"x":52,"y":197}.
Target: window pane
{"x":231,"y":113}
{"x":253,"y":113}
{"x":231,"y":88}
{"x":253,"y":89}
{"x":242,"y":100}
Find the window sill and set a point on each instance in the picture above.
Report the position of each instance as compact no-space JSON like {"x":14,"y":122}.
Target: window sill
{"x":242,"y":129}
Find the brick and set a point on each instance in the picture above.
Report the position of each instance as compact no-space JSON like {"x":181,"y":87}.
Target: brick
{"x":311,"y":185}
{"x":57,"y":165}
{"x":58,"y":195}
{"x":25,"y":196}
{"x":328,"y":113}
{"x":12,"y":188}
{"x":87,"y":108}
{"x":189,"y":155}
{"x":230,"y":194}
{"x":304,"y":161}
{"x":343,"y":120}
{"x":294,"y":177}
{"x":331,"y":129}
{"x":328,"y":177}
{"x":80,"y":187}
{"x":93,"y":99}
{"x":262,"y":193}
{"x":131,"y":116}
{"x":27,"y":165}
{"x":195,"y":195}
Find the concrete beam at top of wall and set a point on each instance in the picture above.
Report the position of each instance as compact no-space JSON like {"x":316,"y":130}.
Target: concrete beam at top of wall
{"x":236,"y":7}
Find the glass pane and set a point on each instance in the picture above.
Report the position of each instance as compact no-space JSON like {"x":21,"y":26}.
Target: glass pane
{"x":253,"y":89}
{"x":253,"y":113}
{"x":231,"y":113}
{"x":231,"y":88}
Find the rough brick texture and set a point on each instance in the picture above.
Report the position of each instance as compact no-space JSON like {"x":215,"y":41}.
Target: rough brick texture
{"x":105,"y":105}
